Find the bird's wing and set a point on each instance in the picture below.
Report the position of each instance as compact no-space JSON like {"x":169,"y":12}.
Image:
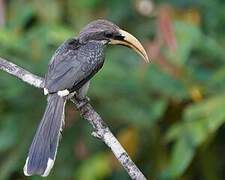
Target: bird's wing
{"x":73,"y":65}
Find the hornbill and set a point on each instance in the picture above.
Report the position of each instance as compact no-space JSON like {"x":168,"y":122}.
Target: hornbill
{"x":72,"y":66}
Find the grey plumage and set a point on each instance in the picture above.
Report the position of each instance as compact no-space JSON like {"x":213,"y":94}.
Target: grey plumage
{"x":46,"y":139}
{"x":72,"y":66}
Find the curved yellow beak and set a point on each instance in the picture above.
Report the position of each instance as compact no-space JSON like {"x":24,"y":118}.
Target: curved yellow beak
{"x":131,"y":42}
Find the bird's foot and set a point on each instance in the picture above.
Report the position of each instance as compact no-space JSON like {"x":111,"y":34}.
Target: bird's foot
{"x":71,"y":95}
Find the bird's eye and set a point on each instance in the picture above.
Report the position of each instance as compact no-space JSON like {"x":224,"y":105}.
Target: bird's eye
{"x":108,"y":34}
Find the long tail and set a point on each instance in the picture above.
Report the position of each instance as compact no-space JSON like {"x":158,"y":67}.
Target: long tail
{"x":43,"y":149}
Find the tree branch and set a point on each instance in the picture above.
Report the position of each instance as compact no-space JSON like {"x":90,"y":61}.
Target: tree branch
{"x":101,"y":130}
{"x":21,"y":73}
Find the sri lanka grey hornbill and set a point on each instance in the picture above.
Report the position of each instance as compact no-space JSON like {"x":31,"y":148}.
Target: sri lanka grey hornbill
{"x":72,"y":66}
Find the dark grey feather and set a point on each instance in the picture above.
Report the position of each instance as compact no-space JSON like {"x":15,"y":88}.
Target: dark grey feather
{"x":45,"y":142}
{"x":73,"y":65}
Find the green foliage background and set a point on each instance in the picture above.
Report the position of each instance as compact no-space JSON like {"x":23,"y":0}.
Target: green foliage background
{"x":169,"y":114}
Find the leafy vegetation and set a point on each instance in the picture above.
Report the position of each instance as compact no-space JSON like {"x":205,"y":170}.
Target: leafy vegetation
{"x":168,"y":114}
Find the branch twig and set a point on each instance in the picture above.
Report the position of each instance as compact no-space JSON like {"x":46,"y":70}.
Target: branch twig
{"x":101,"y":130}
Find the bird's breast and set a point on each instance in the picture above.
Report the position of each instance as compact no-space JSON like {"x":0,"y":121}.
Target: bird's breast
{"x":91,"y":56}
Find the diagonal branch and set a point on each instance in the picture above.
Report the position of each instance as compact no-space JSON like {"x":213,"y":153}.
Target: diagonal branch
{"x":101,"y":130}
{"x":21,"y":73}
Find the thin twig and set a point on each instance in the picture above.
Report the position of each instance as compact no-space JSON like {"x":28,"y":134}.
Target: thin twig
{"x":101,"y":130}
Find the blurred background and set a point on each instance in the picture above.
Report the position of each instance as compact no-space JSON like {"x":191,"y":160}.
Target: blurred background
{"x":169,"y":114}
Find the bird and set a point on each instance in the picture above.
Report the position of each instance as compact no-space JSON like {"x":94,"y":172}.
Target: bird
{"x":70,"y":70}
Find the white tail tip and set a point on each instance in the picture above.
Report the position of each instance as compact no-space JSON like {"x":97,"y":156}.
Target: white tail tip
{"x":25,"y":168}
{"x":47,"y":170}
{"x":49,"y":167}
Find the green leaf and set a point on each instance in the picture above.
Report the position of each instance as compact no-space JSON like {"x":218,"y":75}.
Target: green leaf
{"x":188,"y":36}
{"x":8,"y":133}
{"x":97,"y":167}
{"x":182,"y":154}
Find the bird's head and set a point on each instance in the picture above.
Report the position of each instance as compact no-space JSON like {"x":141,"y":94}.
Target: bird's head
{"x":107,"y":32}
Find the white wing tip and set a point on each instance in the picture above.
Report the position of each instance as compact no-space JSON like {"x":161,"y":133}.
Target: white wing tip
{"x":63,"y":93}
{"x":45,"y":91}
